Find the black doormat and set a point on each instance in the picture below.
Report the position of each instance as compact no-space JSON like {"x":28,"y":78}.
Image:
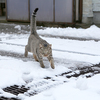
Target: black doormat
{"x":16,"y":89}
{"x":5,"y":98}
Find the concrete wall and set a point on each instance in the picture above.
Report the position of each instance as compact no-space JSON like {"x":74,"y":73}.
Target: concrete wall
{"x":96,"y":11}
{"x":87,"y":11}
{"x":96,"y":5}
{"x":91,"y":11}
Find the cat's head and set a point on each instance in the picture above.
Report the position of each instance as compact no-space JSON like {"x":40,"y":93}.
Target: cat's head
{"x":45,"y":49}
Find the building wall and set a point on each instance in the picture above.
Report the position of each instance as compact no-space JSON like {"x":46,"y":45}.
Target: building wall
{"x":2,"y":1}
{"x":17,"y":10}
{"x":49,"y":10}
{"x":87,"y":11}
{"x":96,"y":11}
{"x":77,"y":9}
{"x":63,"y":11}
{"x":96,"y":5}
{"x":91,"y":11}
{"x":45,"y":12}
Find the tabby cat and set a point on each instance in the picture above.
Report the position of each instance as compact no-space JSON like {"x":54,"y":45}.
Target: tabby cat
{"x":39,"y":47}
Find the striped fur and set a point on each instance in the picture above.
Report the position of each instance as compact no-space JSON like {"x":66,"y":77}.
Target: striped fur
{"x":39,"y":47}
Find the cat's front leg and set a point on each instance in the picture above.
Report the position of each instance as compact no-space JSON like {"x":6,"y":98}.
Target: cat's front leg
{"x":41,"y":63}
{"x":40,"y":60}
{"x":50,"y":58}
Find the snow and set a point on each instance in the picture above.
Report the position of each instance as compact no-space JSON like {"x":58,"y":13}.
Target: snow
{"x":67,"y":54}
{"x":92,"y":32}
{"x":18,"y":27}
{"x":73,"y":90}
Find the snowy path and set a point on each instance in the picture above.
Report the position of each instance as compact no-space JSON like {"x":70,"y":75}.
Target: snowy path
{"x":47,"y":82}
{"x":76,"y":52}
{"x":77,"y":69}
{"x":70,"y":67}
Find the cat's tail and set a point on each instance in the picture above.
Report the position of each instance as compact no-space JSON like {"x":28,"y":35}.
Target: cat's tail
{"x":35,"y":11}
{"x":33,"y":23}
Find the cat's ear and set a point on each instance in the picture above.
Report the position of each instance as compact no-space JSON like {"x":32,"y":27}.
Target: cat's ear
{"x":50,"y":45}
{"x":40,"y":45}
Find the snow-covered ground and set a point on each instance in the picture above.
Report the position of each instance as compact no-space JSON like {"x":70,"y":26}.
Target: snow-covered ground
{"x":92,"y":32}
{"x":68,"y":54}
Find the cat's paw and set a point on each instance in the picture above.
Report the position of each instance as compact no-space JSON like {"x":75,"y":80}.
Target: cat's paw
{"x":53,"y":67}
{"x":42,"y":66}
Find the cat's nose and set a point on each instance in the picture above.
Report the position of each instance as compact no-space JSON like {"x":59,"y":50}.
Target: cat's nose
{"x":45,"y":55}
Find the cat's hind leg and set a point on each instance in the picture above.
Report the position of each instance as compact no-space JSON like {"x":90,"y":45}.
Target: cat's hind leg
{"x":26,"y":51}
{"x":35,"y":58}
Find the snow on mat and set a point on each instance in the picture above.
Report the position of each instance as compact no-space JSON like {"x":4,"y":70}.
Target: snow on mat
{"x":34,"y":87}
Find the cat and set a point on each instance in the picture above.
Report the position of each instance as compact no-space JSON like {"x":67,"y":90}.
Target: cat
{"x":36,"y":45}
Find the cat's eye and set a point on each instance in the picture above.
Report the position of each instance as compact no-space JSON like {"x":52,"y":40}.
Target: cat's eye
{"x":45,"y":45}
